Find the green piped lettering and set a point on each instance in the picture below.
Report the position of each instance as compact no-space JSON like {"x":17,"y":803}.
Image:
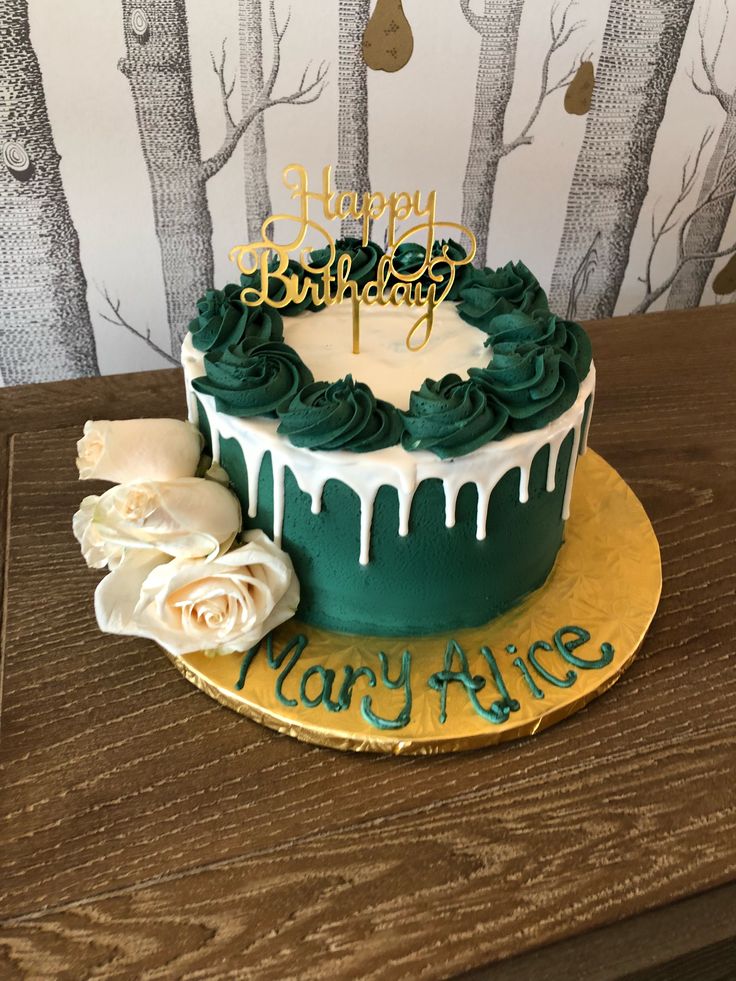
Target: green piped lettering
{"x":569,"y":679}
{"x":533,"y":686}
{"x":441,"y":680}
{"x":506,"y":703}
{"x":580,"y":637}
{"x":403,"y":681}
{"x":327,"y":676}
{"x":297,"y":645}
{"x":351,"y":676}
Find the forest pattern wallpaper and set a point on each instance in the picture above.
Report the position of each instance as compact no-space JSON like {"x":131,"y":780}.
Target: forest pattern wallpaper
{"x":140,"y":139}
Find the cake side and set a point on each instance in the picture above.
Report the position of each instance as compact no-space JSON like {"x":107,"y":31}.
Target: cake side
{"x":412,"y":504}
{"x":397,"y":542}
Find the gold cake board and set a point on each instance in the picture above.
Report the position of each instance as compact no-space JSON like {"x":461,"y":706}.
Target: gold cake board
{"x":606,"y":582}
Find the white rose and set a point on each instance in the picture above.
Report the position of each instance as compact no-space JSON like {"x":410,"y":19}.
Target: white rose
{"x":189,"y":605}
{"x":138,"y":449}
{"x":97,"y":552}
{"x":185,"y":518}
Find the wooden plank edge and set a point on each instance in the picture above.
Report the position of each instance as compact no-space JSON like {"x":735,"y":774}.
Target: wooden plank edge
{"x":695,"y":935}
{"x":6,"y":462}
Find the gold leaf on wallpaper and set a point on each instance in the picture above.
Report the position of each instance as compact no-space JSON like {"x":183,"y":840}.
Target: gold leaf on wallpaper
{"x":725,"y":281}
{"x":579,"y":92}
{"x":388,"y":41}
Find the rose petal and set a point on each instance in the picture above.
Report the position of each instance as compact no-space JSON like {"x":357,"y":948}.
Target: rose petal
{"x":138,"y":449}
{"x":186,"y":518}
{"x":118,"y":593}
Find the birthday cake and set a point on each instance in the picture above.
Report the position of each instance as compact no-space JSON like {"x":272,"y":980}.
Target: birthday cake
{"x":416,"y":491}
{"x":395,"y":434}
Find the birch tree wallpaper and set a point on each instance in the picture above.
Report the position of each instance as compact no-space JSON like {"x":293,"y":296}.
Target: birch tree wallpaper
{"x":141,"y":139}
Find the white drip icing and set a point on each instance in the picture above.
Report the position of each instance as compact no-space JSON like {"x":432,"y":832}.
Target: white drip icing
{"x":523,"y":486}
{"x":571,"y":471}
{"x":484,"y":497}
{"x":279,"y":471}
{"x":554,"y":453}
{"x":192,"y":361}
{"x":451,"y":492}
{"x":584,"y":443}
{"x":392,"y":467}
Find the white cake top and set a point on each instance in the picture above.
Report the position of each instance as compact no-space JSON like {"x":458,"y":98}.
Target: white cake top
{"x":324,"y":341}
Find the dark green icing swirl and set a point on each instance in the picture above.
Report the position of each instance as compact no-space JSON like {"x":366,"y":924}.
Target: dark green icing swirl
{"x":364,"y":259}
{"x":487,"y":293}
{"x":544,"y":329}
{"x":409,"y":257}
{"x":224,"y":320}
{"x":577,"y":347}
{"x":533,"y":384}
{"x":521,"y":328}
{"x":253,"y":379}
{"x":342,"y":415}
{"x":451,"y":417}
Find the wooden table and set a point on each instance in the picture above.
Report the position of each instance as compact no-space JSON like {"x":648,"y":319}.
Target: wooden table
{"x":146,"y":831}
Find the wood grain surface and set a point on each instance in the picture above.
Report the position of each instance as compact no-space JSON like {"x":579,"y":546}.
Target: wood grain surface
{"x":148,"y":832}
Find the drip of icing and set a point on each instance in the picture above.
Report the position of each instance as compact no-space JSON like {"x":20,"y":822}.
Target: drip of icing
{"x":571,"y":471}
{"x":555,"y":445}
{"x":212,"y":418}
{"x":193,"y":363}
{"x":316,"y":500}
{"x":484,"y":497}
{"x":366,"y":521}
{"x":524,"y":485}
{"x":393,"y":466}
{"x":404,"y":510}
{"x":584,"y":443}
{"x":254,"y":472}
{"x":279,"y":470}
{"x":451,"y":492}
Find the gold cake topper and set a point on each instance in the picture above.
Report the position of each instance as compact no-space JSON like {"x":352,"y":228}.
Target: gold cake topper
{"x":331,"y":283}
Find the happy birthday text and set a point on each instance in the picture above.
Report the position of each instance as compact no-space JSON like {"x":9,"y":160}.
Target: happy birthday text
{"x":331,"y":283}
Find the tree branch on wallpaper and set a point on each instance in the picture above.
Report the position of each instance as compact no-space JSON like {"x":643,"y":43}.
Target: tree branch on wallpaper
{"x":498,"y":28}
{"x":351,"y":172}
{"x":118,"y":320}
{"x":641,"y":47}
{"x":157,"y":65}
{"x":708,"y":227}
{"x":560,"y":34}
{"x":45,"y":327}
{"x":307,"y":91}
{"x":722,"y":188}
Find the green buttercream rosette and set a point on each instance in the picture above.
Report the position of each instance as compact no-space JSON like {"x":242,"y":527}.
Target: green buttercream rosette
{"x":253,"y":379}
{"x":487,"y":293}
{"x":451,"y":417}
{"x":544,"y":329}
{"x":519,"y":328}
{"x":533,"y":384}
{"x":364,"y":259}
{"x":408,"y":259}
{"x":577,"y":346}
{"x":342,"y":415}
{"x":224,"y":320}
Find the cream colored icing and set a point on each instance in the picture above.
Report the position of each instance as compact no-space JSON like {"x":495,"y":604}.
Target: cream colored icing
{"x":385,"y":364}
{"x":365,"y":473}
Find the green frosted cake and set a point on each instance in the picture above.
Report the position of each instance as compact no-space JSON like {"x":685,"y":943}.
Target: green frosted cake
{"x":415,"y":493}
